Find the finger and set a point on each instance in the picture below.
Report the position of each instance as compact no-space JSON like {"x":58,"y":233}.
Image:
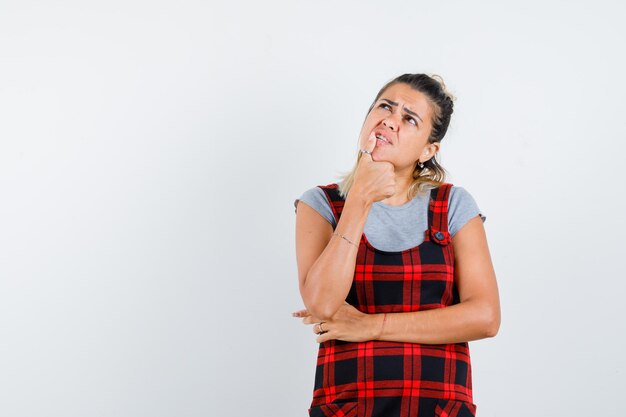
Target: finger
{"x":324,"y":337}
{"x":319,"y":328}
{"x":369,"y":146}
{"x":301,"y":313}
{"x":312,"y":320}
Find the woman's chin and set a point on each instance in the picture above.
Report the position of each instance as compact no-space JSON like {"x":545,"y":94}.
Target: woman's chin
{"x":380,"y":157}
{"x":380,"y":154}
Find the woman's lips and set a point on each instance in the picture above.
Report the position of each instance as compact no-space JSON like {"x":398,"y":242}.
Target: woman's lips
{"x":381,"y":140}
{"x":383,"y":135}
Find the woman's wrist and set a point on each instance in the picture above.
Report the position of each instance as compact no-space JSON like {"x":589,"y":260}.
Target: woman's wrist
{"x":359,"y":198}
{"x":377,"y":325}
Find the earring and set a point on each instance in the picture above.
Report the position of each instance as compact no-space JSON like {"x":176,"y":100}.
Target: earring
{"x":420,"y":164}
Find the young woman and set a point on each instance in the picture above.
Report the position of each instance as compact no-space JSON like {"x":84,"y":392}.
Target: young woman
{"x":394,"y":268}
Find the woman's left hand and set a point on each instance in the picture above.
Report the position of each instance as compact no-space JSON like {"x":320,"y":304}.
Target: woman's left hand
{"x":348,"y":324}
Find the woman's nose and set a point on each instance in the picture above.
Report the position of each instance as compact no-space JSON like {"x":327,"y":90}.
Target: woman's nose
{"x":390,"y":124}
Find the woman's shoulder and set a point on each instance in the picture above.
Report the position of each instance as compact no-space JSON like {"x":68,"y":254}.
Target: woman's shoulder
{"x":316,"y":198}
{"x":462,"y":207}
{"x":312,"y":195}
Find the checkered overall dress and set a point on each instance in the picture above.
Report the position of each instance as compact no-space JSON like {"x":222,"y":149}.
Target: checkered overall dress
{"x":395,"y":379}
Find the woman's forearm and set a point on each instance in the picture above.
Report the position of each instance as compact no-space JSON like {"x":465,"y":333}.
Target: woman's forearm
{"x":329,"y":279}
{"x":463,"y":322}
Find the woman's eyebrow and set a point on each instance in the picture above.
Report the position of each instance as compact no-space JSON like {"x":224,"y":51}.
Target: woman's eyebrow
{"x":412,"y":113}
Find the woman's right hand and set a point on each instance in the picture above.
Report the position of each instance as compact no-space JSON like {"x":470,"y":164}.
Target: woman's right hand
{"x":373,"y":180}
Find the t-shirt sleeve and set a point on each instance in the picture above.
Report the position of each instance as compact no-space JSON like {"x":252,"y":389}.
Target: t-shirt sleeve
{"x":461,"y":208}
{"x":317,"y":200}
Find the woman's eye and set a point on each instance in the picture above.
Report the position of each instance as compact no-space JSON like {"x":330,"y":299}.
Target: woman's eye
{"x":412,"y":120}
{"x":385,"y":106}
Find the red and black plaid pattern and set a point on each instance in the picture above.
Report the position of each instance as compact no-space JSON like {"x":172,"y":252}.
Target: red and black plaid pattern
{"x":393,"y":379}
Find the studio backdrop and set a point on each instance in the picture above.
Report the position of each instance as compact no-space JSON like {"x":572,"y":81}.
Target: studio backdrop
{"x":151,"y":152}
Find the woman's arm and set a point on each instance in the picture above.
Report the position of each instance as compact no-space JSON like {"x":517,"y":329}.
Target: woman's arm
{"x":476,"y":316}
{"x":326,"y":261}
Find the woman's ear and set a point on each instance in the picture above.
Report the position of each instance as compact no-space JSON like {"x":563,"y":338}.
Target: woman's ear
{"x":430,"y":150}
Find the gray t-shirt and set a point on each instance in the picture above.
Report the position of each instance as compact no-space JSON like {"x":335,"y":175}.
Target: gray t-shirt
{"x":397,"y":228}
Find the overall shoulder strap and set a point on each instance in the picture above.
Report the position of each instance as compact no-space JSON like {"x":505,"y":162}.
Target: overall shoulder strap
{"x":438,"y":214}
{"x":336,"y":200}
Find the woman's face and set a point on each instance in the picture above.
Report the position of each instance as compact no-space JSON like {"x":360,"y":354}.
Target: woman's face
{"x":401,"y":120}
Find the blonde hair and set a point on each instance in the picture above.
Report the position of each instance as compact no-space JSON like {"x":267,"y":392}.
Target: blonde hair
{"x":432,"y":175}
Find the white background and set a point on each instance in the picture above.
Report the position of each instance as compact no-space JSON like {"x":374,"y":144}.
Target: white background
{"x":150,"y":153}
